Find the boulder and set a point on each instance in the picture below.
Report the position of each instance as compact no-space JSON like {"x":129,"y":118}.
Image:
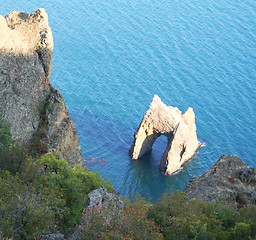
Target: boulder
{"x":229,"y":180}
{"x":108,"y":205}
{"x":100,"y":197}
{"x":180,"y":130}
{"x":34,"y":109}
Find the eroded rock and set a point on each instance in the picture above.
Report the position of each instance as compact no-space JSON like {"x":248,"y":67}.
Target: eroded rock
{"x":180,"y":130}
{"x":107,"y":205}
{"x":228,"y":180}
{"x":100,"y":197}
{"x":34,"y":109}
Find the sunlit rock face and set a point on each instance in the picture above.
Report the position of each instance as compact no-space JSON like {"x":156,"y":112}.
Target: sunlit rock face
{"x":34,"y":109}
{"x":180,"y":130}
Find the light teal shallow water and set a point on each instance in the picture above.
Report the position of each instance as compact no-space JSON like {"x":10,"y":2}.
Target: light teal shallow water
{"x":111,"y":57}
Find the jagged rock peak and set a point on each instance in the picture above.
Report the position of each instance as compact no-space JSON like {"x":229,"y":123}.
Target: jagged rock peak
{"x":26,"y":34}
{"x":164,"y":118}
{"x":228,"y":180}
{"x":180,"y":129}
{"x":34,"y":109}
{"x":23,"y":33}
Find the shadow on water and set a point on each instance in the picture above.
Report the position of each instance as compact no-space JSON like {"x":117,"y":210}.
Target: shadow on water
{"x":104,"y":137}
{"x":145,"y":176}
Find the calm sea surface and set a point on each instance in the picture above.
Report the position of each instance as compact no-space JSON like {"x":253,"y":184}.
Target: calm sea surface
{"x":111,"y":57}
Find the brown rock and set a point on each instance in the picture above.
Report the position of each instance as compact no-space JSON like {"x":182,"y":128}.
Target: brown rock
{"x":228,"y":180}
{"x":180,"y":129}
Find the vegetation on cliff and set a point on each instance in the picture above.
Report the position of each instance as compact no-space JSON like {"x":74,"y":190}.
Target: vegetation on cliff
{"x":181,"y":218}
{"x":40,"y":195}
{"x":173,"y":217}
{"x":45,"y":195}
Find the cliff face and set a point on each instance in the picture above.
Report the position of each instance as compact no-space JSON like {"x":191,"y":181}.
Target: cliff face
{"x":228,"y":180}
{"x":180,"y":130}
{"x":34,"y":109}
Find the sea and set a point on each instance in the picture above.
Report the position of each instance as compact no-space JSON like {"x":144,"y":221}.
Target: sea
{"x":112,"y":56}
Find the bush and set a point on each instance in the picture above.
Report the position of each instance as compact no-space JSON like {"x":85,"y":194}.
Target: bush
{"x":183,"y":219}
{"x":28,"y":209}
{"x":248,"y":215}
{"x":42,"y":196}
{"x":76,"y":183}
{"x":242,"y":231}
{"x":109,"y":223}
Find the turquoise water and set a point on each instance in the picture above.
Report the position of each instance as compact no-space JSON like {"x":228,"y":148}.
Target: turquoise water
{"x":111,"y":57}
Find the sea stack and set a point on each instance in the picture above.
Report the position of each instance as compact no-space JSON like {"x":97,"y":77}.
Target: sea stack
{"x":34,"y":109}
{"x":180,"y":130}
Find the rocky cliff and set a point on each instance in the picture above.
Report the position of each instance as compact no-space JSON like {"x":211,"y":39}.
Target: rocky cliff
{"x":34,"y":109}
{"x":180,"y":130}
{"x":229,"y":180}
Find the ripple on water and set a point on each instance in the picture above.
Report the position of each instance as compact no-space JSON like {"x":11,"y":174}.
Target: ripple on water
{"x":111,"y":57}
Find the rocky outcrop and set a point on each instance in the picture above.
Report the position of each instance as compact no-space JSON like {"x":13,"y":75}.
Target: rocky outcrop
{"x":228,"y":180}
{"x":108,"y":205}
{"x":180,"y":130}
{"x":33,"y":108}
{"x":100,"y":197}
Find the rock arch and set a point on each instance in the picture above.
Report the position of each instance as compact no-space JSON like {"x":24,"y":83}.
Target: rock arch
{"x":180,"y":130}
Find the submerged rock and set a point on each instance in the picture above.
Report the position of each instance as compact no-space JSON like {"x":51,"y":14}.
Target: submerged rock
{"x":228,"y":180}
{"x":34,"y":109}
{"x":94,"y":162}
{"x":180,"y":130}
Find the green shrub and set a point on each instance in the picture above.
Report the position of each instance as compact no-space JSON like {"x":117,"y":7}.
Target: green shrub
{"x":28,"y":209}
{"x":248,"y":215}
{"x":169,"y":205}
{"x":41,"y":196}
{"x":183,"y":219}
{"x":229,"y":217}
{"x":76,"y":183}
{"x":242,"y":231}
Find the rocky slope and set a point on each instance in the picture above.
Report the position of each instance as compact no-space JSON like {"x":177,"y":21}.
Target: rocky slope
{"x":34,"y":109}
{"x":229,"y":180}
{"x":180,"y":130}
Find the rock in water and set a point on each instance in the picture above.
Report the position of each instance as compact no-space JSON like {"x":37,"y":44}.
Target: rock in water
{"x":180,"y":130}
{"x":228,"y":180}
{"x":34,"y":109}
